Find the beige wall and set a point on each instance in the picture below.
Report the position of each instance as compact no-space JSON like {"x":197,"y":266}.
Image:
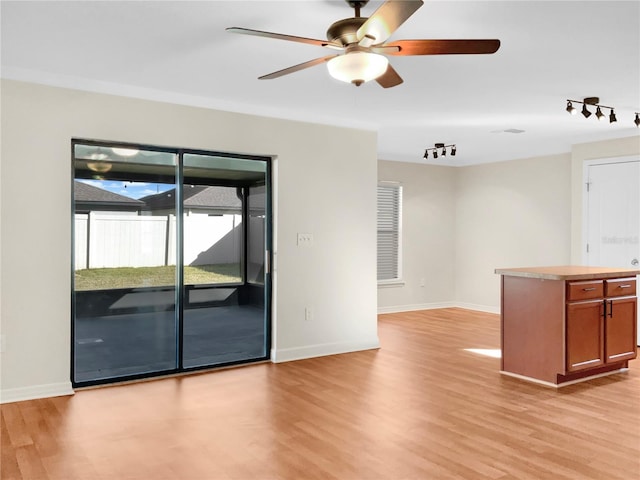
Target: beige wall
{"x":509,"y":214}
{"x":518,"y":213}
{"x":428,"y":229}
{"x":325,"y":184}
{"x":460,"y":224}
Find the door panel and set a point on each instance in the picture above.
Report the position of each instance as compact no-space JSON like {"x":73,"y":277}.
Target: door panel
{"x":124,"y":294}
{"x":585,"y":347}
{"x":620,"y":329}
{"x":612,"y":214}
{"x":223,"y":322}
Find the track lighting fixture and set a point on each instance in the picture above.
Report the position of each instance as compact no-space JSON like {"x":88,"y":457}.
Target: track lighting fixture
{"x":442,"y":148}
{"x":599,"y":114}
{"x":595,"y":102}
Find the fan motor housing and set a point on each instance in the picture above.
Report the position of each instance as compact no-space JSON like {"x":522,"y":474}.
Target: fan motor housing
{"x":344,"y":31}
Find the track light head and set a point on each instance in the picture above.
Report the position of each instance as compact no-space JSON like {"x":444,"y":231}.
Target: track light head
{"x":426,"y":154}
{"x":599,"y":114}
{"x":435,"y":154}
{"x":585,"y":111}
{"x":612,"y":117}
{"x":444,"y":152}
{"x":570,"y":108}
{"x":453,"y":151}
{"x":637,"y":120}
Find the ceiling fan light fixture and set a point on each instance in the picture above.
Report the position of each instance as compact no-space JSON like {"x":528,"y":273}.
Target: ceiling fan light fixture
{"x":125,"y":152}
{"x":99,"y":166}
{"x":357,"y":67}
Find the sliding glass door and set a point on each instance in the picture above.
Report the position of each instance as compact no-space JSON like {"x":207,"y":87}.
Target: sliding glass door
{"x":168,"y":261}
{"x":223,"y":321}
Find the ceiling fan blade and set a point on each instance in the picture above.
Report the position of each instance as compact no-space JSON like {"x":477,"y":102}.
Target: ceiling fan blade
{"x":296,"y":68}
{"x":386,"y":19}
{"x":443,"y":47}
{"x":281,"y":36}
{"x":390,"y":78}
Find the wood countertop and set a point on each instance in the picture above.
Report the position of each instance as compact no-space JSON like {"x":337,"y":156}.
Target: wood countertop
{"x":568,"y":272}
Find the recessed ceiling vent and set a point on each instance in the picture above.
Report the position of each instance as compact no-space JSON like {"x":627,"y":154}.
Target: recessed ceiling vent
{"x":508,"y":130}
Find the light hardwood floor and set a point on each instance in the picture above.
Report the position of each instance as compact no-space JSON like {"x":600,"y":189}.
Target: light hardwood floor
{"x":421,"y":407}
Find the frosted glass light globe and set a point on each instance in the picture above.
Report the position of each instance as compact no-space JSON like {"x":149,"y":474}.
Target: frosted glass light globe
{"x":357,"y":67}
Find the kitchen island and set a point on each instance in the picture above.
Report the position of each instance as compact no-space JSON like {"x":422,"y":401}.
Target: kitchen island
{"x":564,"y":324}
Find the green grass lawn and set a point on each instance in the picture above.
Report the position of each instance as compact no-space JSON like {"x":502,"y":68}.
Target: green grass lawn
{"x":134,"y":277}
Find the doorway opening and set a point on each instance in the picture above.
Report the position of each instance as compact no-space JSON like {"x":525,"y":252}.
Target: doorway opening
{"x":171,"y":255}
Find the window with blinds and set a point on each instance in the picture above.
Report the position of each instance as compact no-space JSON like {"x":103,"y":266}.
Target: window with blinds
{"x":389,"y":232}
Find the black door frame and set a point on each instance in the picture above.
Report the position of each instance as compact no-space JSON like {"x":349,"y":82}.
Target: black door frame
{"x":179,"y":286}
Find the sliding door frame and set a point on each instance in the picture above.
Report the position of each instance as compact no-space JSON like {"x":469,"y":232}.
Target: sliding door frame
{"x":179,"y":281}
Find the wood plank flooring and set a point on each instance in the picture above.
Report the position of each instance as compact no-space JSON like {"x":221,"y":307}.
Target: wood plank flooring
{"x":421,"y":407}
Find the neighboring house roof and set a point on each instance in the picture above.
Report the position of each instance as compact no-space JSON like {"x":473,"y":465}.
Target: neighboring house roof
{"x":196,"y":197}
{"x":88,"y":194}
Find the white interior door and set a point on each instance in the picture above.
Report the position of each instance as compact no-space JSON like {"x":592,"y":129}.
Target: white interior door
{"x":613,"y":214}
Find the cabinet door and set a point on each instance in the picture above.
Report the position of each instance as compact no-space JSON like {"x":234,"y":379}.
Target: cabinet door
{"x":620,"y":329}
{"x":585,"y":335}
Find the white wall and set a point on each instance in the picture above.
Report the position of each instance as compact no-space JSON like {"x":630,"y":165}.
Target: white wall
{"x":428,"y":228}
{"x":325,"y":182}
{"x":509,"y":214}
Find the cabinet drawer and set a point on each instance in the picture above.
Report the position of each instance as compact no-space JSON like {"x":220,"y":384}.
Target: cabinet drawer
{"x":585,"y":290}
{"x":620,"y":287}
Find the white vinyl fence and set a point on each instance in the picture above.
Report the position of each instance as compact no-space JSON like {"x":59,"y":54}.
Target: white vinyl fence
{"x":109,"y":240}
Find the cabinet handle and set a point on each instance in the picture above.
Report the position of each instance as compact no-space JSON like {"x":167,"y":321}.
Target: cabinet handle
{"x":610,"y":308}
{"x":590,"y":289}
{"x":624,"y":286}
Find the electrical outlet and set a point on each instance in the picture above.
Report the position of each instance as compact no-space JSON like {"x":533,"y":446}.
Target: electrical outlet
{"x":308,"y":314}
{"x":305,"y":239}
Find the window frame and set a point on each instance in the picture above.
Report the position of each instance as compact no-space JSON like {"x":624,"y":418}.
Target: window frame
{"x":398,"y":279}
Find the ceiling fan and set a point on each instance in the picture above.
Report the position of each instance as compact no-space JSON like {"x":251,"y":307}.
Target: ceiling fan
{"x":362,"y":47}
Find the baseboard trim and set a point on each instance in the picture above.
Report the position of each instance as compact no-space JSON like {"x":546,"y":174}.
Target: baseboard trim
{"x":436,"y":305}
{"x":479,"y":308}
{"x":321,"y":350}
{"x":10,"y":395}
{"x":416,"y":307}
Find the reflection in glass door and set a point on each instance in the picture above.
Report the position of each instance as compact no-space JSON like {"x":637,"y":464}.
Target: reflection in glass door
{"x":139,"y":214}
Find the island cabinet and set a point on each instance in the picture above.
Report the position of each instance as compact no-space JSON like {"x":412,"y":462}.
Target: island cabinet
{"x":565,"y":324}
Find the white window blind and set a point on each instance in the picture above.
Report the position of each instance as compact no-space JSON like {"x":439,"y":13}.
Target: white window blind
{"x":389,"y":231}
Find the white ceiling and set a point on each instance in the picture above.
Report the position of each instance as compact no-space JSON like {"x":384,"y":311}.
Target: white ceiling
{"x":178,"y":51}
